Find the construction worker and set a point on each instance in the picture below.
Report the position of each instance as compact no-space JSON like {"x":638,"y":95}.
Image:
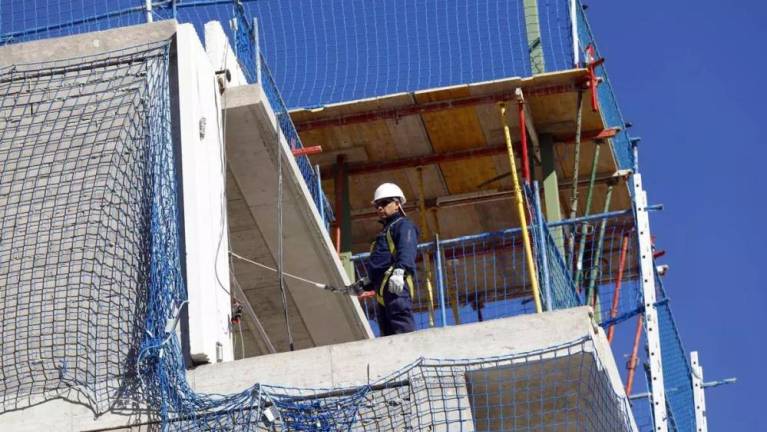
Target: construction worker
{"x":391,"y":266}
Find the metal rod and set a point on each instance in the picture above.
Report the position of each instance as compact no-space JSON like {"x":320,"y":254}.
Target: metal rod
{"x":542,"y":248}
{"x":618,"y":283}
{"x":426,"y":255}
{"x":440,"y":280}
{"x":576,"y":169}
{"x":634,"y":359}
{"x":521,"y":212}
{"x":303,"y":151}
{"x":523,"y":141}
{"x":321,"y":204}
{"x":592,"y":294}
{"x":586,"y":211}
{"x":280,"y":247}
{"x":148,"y":8}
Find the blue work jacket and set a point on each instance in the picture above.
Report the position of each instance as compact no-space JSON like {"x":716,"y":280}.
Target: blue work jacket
{"x":404,"y":236}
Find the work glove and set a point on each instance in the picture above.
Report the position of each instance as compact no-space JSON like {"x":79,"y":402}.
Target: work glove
{"x":397,"y":281}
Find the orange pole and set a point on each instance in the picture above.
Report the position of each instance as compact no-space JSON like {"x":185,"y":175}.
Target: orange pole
{"x":616,"y":294}
{"x":523,"y":142}
{"x":632,"y":365}
{"x":338,"y":186}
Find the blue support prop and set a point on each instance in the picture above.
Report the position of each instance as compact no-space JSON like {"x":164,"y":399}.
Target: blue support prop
{"x":320,"y":205}
{"x":542,"y":246}
{"x":440,"y":280}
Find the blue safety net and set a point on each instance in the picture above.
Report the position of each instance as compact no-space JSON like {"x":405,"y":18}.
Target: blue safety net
{"x":82,"y":147}
{"x":325,"y":51}
{"x":677,"y":374}
{"x":608,"y":105}
{"x":556,"y":27}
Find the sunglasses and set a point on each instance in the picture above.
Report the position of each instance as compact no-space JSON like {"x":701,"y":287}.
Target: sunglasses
{"x":383,"y":202}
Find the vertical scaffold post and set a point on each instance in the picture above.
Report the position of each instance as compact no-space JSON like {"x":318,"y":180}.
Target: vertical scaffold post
{"x":321,"y":202}
{"x":618,"y":283}
{"x":698,"y":393}
{"x":425,"y":235}
{"x":148,"y":9}
{"x":256,"y":51}
{"x":521,"y":211}
{"x":574,"y":33}
{"x":652,"y":330}
{"x":542,"y":248}
{"x":440,"y":279}
{"x":631,"y":367}
{"x":523,"y":136}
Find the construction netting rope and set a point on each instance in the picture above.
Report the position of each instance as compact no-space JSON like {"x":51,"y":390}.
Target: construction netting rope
{"x":78,"y":142}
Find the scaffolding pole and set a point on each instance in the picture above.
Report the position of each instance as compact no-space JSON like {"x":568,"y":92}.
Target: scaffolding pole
{"x":698,"y":393}
{"x":647,"y":271}
{"x":521,"y":212}
{"x":618,"y":283}
{"x":426,"y":255}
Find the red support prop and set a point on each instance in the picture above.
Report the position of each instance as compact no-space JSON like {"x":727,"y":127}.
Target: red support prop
{"x":523,"y":140}
{"x":591,"y":65}
{"x":303,"y":151}
{"x":618,"y":282}
{"x":631,"y":367}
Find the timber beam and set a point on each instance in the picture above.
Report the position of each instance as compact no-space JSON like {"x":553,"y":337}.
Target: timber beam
{"x":421,"y":108}
{"x":430,"y":159}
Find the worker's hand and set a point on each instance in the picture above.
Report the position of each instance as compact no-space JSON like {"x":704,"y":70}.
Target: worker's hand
{"x":397,"y":281}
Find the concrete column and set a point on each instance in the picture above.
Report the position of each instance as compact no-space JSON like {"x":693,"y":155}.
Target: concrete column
{"x":534,"y":45}
{"x":552,"y":208}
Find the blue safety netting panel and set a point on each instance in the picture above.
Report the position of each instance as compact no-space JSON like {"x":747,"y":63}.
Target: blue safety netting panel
{"x":608,"y":104}
{"x":677,"y":374}
{"x":556,"y":34}
{"x":24,"y":20}
{"x":324,"y":51}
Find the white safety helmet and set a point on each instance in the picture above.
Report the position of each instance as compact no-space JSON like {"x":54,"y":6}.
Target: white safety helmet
{"x":388,"y":190}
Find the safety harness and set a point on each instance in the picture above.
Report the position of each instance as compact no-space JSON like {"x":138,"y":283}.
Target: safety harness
{"x":393,"y":251}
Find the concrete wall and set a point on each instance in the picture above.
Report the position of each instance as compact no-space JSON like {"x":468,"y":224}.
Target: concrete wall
{"x":200,"y":127}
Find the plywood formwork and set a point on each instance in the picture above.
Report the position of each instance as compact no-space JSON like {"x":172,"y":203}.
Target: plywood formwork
{"x":444,"y":121}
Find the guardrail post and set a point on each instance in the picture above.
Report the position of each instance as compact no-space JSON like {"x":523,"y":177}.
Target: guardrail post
{"x":440,"y":280}
{"x":542,"y":247}
{"x":320,"y":201}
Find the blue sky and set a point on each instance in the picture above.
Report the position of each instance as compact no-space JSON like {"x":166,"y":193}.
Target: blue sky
{"x":689,"y":76}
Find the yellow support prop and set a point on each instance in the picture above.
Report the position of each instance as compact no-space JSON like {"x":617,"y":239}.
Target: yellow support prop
{"x":427,"y":256}
{"x":521,"y":212}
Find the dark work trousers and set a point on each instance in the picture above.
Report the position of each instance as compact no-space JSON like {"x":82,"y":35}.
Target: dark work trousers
{"x":397,"y":316}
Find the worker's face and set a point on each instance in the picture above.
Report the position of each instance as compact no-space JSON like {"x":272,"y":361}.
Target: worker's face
{"x":386,"y":207}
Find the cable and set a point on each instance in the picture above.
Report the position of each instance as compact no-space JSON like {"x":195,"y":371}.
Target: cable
{"x":266,"y":267}
{"x":280,"y":246}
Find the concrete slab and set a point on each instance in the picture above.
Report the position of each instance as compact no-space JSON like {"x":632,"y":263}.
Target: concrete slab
{"x":526,"y":371}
